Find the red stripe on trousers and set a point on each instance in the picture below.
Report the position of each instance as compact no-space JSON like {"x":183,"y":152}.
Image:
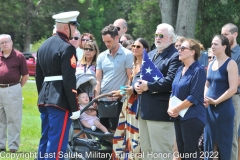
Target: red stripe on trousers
{"x":62,"y":134}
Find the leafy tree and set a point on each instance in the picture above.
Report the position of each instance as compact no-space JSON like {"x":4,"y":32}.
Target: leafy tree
{"x":92,"y":20}
{"x":144,"y":18}
{"x":30,"y":20}
{"x":212,"y":15}
{"x":112,"y":10}
{"x":27,"y":21}
{"x":37,"y":44}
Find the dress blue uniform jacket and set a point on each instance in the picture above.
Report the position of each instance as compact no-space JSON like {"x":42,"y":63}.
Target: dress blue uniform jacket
{"x":153,"y":104}
{"x":57,"y":57}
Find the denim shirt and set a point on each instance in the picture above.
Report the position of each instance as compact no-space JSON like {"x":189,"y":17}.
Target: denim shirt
{"x":190,"y":87}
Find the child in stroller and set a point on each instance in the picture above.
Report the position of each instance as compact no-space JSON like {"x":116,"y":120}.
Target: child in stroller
{"x":87,"y":144}
{"x":89,"y":118}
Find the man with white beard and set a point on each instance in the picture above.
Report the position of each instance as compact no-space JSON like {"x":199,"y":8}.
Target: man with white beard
{"x":156,"y":128}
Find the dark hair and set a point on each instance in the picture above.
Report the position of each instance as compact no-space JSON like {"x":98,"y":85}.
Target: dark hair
{"x":86,"y":34}
{"x":194,"y":45}
{"x":232,"y":27}
{"x":127,"y":43}
{"x":128,"y":36}
{"x":111,"y":30}
{"x":225,"y":41}
{"x":144,"y":43}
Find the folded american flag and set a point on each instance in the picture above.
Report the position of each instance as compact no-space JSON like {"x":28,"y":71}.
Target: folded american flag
{"x":149,"y":71}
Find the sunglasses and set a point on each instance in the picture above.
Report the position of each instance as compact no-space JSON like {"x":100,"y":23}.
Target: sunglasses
{"x":211,"y":57}
{"x":88,"y":49}
{"x":158,"y":35}
{"x":136,"y":46}
{"x":75,"y":38}
{"x":118,"y":28}
{"x":85,"y":39}
{"x":182,"y":48}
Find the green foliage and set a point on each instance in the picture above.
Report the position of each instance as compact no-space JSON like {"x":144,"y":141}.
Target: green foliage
{"x":92,"y":20}
{"x":145,"y":16}
{"x":37,"y":44}
{"x":29,"y":16}
{"x":212,"y":15}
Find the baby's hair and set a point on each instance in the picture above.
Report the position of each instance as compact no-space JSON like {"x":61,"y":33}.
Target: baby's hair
{"x":81,"y":93}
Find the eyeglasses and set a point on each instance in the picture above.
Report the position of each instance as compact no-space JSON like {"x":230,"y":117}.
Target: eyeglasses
{"x":136,"y":46}
{"x":88,"y":49}
{"x":182,"y":48}
{"x":118,"y":28}
{"x":75,"y":38}
{"x":5,"y":42}
{"x":85,"y":39}
{"x":158,"y":35}
{"x":211,"y":57}
{"x":121,"y":42}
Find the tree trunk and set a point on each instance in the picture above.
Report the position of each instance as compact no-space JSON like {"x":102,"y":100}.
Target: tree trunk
{"x":27,"y":39}
{"x":169,"y":10}
{"x":186,"y":18}
{"x":31,"y":13}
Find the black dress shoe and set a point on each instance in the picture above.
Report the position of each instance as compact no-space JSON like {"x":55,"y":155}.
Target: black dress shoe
{"x":13,"y":150}
{"x":2,"y":150}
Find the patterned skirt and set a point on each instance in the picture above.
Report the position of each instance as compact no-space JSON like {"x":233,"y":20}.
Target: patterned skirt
{"x":126,"y":140}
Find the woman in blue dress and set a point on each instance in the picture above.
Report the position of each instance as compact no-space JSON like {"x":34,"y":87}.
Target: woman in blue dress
{"x":221,"y":85}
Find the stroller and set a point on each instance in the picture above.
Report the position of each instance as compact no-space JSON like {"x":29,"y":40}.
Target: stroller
{"x":96,"y":145}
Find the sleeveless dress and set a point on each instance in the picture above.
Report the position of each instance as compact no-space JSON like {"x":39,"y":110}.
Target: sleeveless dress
{"x":219,"y":124}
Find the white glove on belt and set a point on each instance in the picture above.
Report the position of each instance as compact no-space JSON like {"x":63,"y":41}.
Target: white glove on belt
{"x":75,"y":115}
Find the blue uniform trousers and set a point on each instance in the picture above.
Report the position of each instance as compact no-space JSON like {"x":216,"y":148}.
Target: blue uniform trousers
{"x":55,"y":129}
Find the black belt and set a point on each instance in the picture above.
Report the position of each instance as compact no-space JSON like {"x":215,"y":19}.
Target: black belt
{"x":7,"y":85}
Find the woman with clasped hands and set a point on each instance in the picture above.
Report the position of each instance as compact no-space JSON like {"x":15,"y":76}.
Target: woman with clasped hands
{"x":221,"y":85}
{"x":188,"y":88}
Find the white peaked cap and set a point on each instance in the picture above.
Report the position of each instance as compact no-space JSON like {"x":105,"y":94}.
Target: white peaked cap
{"x":67,"y":17}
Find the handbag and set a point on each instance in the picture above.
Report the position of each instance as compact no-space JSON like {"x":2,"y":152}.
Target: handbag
{"x":107,"y":109}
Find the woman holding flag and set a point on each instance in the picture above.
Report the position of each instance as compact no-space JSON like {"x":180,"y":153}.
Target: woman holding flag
{"x":126,"y":138}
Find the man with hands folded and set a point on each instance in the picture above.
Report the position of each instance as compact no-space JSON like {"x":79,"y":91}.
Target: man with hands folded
{"x":156,"y":129}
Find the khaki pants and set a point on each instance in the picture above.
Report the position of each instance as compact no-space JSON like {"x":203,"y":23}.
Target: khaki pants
{"x":156,"y":139}
{"x":10,"y":116}
{"x":236,"y":103}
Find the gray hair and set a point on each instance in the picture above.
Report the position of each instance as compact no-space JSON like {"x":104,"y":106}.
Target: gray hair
{"x":5,"y":35}
{"x":78,"y":32}
{"x":209,"y":50}
{"x":170,"y":30}
{"x":232,"y":27}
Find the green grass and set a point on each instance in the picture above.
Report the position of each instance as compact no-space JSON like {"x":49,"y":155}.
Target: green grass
{"x":31,"y":78}
{"x":31,"y":126}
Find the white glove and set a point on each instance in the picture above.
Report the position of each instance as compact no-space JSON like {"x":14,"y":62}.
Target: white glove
{"x":94,"y":128}
{"x":75,"y":115}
